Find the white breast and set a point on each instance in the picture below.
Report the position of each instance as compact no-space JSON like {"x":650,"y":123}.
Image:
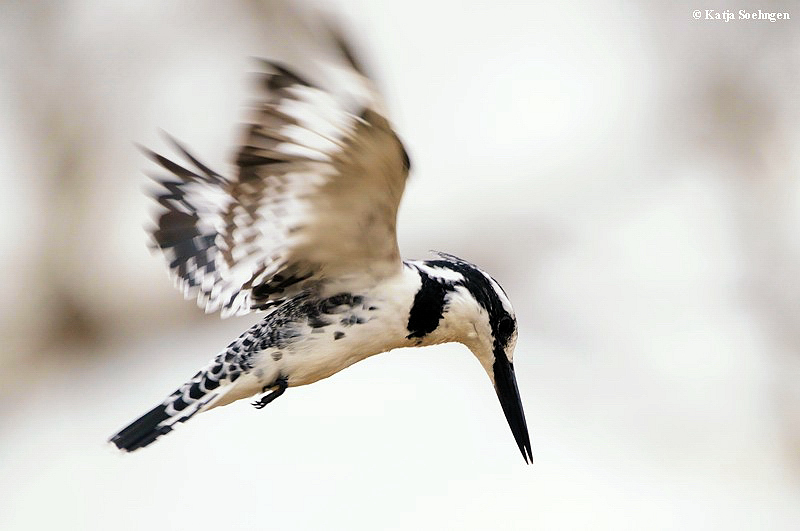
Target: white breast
{"x":377,"y":324}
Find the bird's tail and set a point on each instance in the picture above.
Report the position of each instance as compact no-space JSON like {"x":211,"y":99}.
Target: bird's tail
{"x":205,"y":390}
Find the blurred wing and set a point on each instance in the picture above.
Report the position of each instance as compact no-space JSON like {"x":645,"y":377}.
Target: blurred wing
{"x":319,"y":182}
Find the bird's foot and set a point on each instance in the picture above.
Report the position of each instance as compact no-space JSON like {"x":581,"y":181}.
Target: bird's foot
{"x":277,"y":390}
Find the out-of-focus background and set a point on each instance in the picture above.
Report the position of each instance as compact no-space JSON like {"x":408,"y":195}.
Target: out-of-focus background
{"x":628,"y":173}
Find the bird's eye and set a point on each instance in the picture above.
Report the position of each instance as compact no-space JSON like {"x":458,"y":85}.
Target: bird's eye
{"x":506,"y":326}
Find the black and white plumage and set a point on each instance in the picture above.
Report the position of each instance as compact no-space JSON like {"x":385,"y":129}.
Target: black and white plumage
{"x":306,"y":233}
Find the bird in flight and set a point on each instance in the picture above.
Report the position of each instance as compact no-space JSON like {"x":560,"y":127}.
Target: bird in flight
{"x":305,"y":233}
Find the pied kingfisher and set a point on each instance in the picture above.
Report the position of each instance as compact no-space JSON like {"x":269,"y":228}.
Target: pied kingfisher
{"x":306,"y":233}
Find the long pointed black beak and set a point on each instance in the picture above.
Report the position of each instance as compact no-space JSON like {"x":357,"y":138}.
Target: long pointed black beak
{"x":505,"y":383}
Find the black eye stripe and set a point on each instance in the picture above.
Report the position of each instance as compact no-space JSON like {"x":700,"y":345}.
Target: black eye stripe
{"x":506,"y":326}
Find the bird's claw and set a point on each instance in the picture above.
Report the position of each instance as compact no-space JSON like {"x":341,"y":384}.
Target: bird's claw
{"x":277,"y":390}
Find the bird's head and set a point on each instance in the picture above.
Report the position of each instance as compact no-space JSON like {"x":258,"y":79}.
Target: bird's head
{"x":476,"y":312}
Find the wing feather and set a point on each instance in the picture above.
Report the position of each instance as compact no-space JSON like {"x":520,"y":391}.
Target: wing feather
{"x":320,"y":177}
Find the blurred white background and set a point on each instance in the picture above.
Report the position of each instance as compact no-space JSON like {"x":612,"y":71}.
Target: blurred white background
{"x":628,"y":173}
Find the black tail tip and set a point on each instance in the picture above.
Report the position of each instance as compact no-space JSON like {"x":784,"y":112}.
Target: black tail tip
{"x":143,"y":430}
